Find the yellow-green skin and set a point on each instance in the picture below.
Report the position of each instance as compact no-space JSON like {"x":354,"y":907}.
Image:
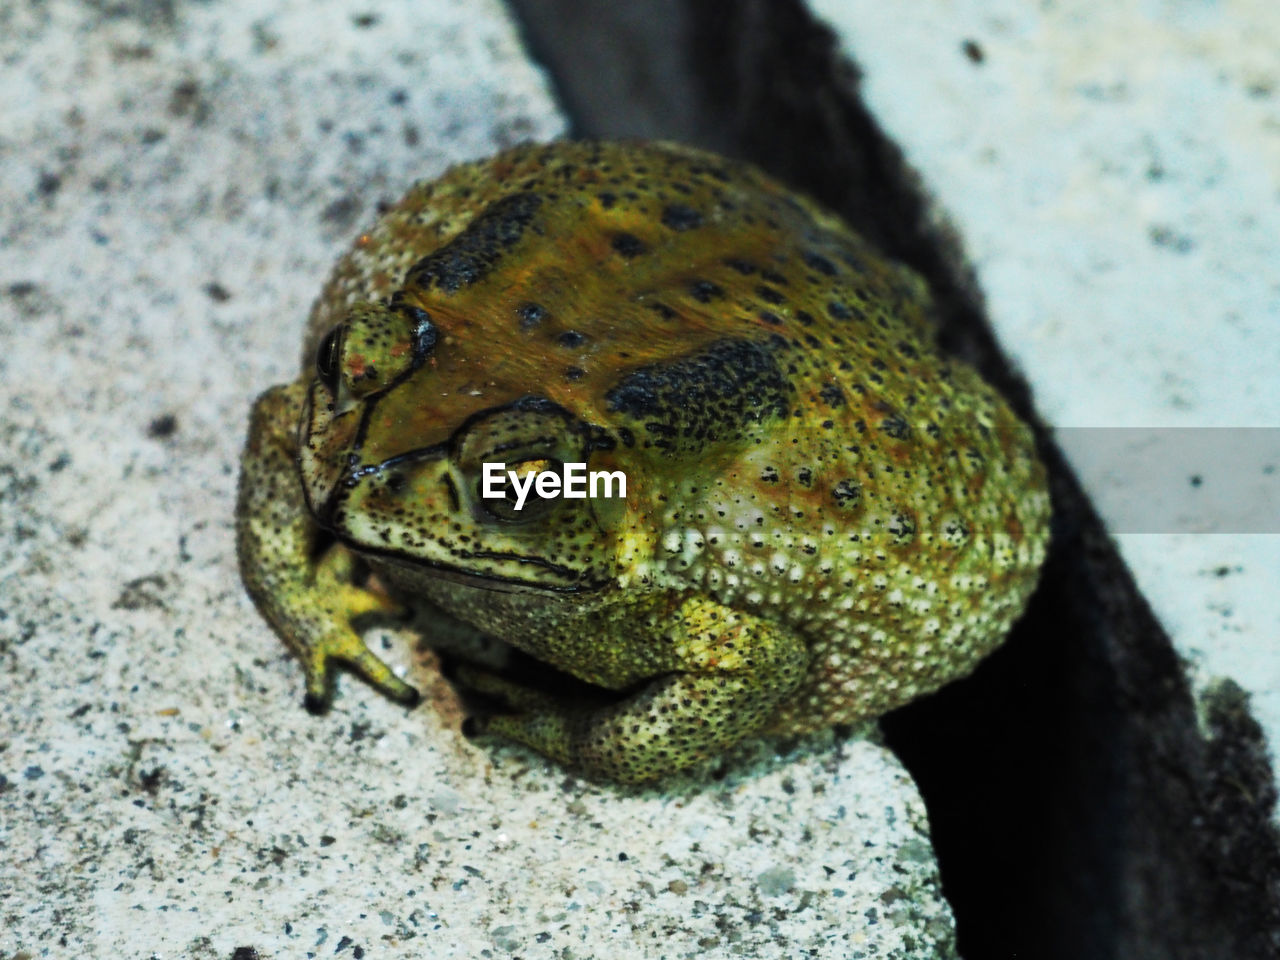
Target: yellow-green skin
{"x":824,"y":518}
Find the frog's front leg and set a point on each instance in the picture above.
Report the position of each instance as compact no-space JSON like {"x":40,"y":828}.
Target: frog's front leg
{"x":304,"y":587}
{"x":728,"y":672}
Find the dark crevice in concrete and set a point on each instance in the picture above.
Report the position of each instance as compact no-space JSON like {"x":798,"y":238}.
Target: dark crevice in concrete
{"x":1077,"y":808}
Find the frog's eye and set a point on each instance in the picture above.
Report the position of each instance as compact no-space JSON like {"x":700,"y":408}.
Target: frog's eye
{"x":520,"y":501}
{"x":329,"y":358}
{"x":374,"y":346}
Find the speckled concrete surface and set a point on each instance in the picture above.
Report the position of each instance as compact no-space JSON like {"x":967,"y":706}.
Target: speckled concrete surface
{"x":174,"y":183}
{"x":1112,"y":169}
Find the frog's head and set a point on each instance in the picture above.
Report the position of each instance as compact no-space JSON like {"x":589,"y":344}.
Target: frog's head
{"x":394,"y":442}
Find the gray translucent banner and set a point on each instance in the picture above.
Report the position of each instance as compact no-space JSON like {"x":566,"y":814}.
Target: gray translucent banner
{"x":1179,"y":479}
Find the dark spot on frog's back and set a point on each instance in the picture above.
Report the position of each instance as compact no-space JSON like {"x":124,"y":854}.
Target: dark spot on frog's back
{"x":531,"y":314}
{"x":896,"y":426}
{"x":571,"y":338}
{"x":473,"y":253}
{"x":628,"y":245}
{"x":678,"y":216}
{"x":704,"y":291}
{"x":831,"y":394}
{"x":713,"y":395}
{"x":847,"y":493}
{"x":818,"y":262}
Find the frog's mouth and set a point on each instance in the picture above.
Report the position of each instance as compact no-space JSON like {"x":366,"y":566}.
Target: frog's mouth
{"x":424,"y":511}
{"x":476,"y":581}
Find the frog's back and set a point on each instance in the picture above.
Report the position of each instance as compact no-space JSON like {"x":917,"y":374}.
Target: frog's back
{"x":632,"y":249}
{"x":802,"y":451}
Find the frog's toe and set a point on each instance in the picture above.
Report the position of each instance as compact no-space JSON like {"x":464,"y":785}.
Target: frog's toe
{"x":527,"y":715}
{"x":475,"y":726}
{"x":346,"y":647}
{"x":319,"y":696}
{"x":355,"y":600}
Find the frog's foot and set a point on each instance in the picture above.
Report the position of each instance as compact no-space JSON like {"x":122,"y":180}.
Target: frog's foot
{"x":346,"y":647}
{"x":337,"y":642}
{"x":534,"y":717}
{"x":645,"y":737}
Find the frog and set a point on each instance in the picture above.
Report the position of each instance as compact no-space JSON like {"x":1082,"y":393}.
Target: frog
{"x":825,"y":517}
